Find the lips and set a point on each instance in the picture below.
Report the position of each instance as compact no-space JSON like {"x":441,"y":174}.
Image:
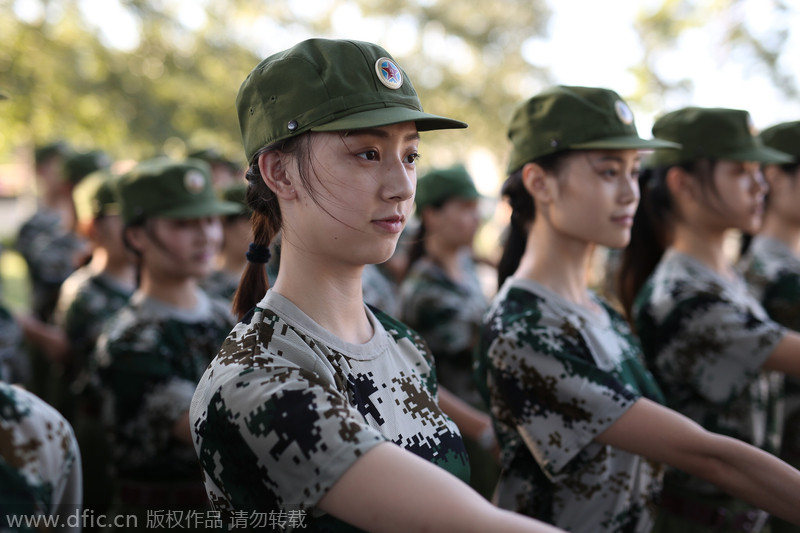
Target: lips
{"x":391,"y":224}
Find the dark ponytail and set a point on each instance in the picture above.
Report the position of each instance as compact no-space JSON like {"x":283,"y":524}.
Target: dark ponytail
{"x":266,"y":222}
{"x":523,"y":213}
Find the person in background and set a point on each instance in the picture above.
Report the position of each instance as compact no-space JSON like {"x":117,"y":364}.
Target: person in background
{"x":52,"y":251}
{"x":224,"y":172}
{"x":152,"y":352}
{"x":40,"y":463}
{"x":580,"y":420}
{"x":442,"y":299}
{"x":236,"y":237}
{"x":88,"y":297}
{"x":710,"y":345}
{"x":771,"y":267}
{"x":317,"y":405}
{"x":381,"y":282}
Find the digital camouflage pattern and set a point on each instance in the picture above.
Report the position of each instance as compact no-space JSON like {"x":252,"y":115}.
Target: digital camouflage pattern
{"x":51,"y":254}
{"x":286,"y":408}
{"x":221,"y":284}
{"x":40,"y":465}
{"x":772,"y":271}
{"x":558,"y":375}
{"x":86,"y":301}
{"x":705,"y":339}
{"x":149,"y":359}
{"x":447,"y":314}
{"x":12,"y":356}
{"x":380,"y":291}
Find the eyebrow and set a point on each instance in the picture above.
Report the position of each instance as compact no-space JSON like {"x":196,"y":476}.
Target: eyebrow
{"x":377,"y":132}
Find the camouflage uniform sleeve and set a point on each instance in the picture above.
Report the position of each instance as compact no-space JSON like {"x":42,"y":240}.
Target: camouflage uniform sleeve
{"x":712,"y":345}
{"x":270,"y":432}
{"x":781,"y":300}
{"x":42,"y":452}
{"x":544,"y":383}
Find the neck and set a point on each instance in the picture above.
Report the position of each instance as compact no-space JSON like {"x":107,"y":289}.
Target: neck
{"x":331,"y":294}
{"x":561,"y":265}
{"x":123,"y":271}
{"x":777,"y":229}
{"x":446,"y":256}
{"x":177,"y":292}
{"x":705,"y":245}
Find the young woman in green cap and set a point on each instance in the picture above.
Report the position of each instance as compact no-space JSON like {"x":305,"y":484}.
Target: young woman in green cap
{"x":318,"y":408}
{"x":580,"y":420}
{"x":771,"y":267}
{"x":153,"y":351}
{"x":709,"y":343}
{"x":442,"y":299}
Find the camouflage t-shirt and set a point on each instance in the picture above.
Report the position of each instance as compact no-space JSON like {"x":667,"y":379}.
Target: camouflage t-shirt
{"x":221,"y":284}
{"x":149,"y":359}
{"x":772,"y":272}
{"x":558,"y":375}
{"x":286,"y":408}
{"x":13,"y":359}
{"x":40,"y":465}
{"x":447,"y":314}
{"x":51,"y":255}
{"x":705,"y":338}
{"x":86,"y":301}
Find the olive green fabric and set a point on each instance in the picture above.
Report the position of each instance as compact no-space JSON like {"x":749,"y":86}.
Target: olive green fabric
{"x":237,"y":194}
{"x":713,"y":132}
{"x":80,"y":164}
{"x":166,"y":188}
{"x":784,"y":137}
{"x":441,"y":184}
{"x":327,"y":85}
{"x":573,"y":118}
{"x":96,"y":195}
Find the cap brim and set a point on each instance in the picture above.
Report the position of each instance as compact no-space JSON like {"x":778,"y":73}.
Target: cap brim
{"x":204,"y":209}
{"x":759,"y":154}
{"x":624,"y":143}
{"x":386,"y":116}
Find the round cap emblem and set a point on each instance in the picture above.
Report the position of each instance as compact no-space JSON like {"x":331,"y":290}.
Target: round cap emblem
{"x":194,"y":181}
{"x":623,"y":112}
{"x":389,"y":73}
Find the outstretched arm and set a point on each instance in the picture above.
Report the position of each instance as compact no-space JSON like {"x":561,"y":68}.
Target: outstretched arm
{"x":786,"y":355}
{"x":392,"y":490}
{"x":661,"y":434}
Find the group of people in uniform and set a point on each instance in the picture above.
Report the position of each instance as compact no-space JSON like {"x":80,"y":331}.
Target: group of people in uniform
{"x":315,"y":340}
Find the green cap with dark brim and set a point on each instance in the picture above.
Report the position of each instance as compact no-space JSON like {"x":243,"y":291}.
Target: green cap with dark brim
{"x":166,"y":188}
{"x":441,"y":184}
{"x":573,"y":118}
{"x":717,"y":133}
{"x":327,"y":85}
{"x":784,"y":137}
{"x":96,"y":195}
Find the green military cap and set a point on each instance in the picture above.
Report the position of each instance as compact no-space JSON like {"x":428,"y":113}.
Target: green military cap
{"x":80,"y":164}
{"x":327,"y":85}
{"x":441,"y":184}
{"x":572,"y":118}
{"x":96,"y":195}
{"x":211,"y":156}
{"x":163,"y":187}
{"x":717,"y":133}
{"x":784,"y":137}
{"x":44,"y":152}
{"x":236,"y":194}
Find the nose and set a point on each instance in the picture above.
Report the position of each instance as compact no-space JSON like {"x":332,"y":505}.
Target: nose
{"x":210,"y":229}
{"x":760,"y":185}
{"x":400,"y":181}
{"x":629,"y":191}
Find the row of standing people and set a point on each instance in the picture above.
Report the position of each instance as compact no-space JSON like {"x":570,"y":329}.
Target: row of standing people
{"x":315,"y":401}
{"x":310,"y":380}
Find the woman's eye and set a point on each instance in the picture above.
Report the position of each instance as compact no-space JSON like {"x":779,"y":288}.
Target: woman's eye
{"x":369,"y":155}
{"x":412,"y":158}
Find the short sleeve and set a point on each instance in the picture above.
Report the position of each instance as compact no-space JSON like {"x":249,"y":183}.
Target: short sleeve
{"x":546,"y":385}
{"x":271,"y":434}
{"x":713,"y":345}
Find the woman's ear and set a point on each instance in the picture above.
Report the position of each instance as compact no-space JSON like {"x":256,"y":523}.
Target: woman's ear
{"x":536,"y":182}
{"x":272,"y":166}
{"x":681,"y":185}
{"x":134,"y":236}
